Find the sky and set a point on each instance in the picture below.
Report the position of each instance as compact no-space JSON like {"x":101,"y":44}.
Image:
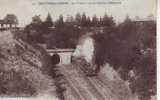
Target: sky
{"x":26,"y":9}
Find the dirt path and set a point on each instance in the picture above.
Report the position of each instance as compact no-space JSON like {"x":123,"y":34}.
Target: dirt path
{"x":80,"y":87}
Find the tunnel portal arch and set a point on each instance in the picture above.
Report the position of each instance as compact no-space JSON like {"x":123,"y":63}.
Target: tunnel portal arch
{"x":60,"y":56}
{"x":55,"y":58}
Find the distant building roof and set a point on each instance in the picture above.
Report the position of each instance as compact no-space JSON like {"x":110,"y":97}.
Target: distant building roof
{"x":140,"y":19}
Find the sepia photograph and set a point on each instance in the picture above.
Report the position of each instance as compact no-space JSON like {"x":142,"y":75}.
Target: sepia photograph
{"x":78,"y":49}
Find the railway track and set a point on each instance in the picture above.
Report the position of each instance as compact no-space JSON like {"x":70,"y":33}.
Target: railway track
{"x":80,"y":87}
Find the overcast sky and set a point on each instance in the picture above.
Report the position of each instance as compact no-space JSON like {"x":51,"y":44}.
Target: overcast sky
{"x":26,"y":9}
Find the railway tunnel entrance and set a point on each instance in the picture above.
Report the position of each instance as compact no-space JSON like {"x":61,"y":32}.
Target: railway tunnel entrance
{"x":55,"y":59}
{"x":61,"y":56}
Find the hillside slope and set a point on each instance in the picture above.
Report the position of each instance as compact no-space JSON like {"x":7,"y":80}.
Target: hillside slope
{"x":22,"y":69}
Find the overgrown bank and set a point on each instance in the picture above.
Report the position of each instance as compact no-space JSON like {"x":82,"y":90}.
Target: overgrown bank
{"x":24,"y":68}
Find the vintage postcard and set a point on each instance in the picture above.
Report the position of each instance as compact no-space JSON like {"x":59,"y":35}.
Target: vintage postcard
{"x":78,"y":49}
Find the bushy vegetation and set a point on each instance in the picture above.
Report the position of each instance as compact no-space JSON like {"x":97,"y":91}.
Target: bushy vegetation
{"x":63,"y":33}
{"x":60,"y":35}
{"x":130,"y":47}
{"x":23,"y":68}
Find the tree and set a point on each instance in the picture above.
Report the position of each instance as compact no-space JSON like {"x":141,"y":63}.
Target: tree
{"x":84,"y":20}
{"x":128,"y":30}
{"x":148,"y":34}
{"x":35,"y":30}
{"x":36,"y":19}
{"x":94,"y":21}
{"x":100,"y":23}
{"x":78,"y":19}
{"x":48,"y":22}
{"x":36,"y":23}
{"x":60,"y":22}
{"x":88,"y":21}
{"x":11,"y":19}
{"x":108,"y":21}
